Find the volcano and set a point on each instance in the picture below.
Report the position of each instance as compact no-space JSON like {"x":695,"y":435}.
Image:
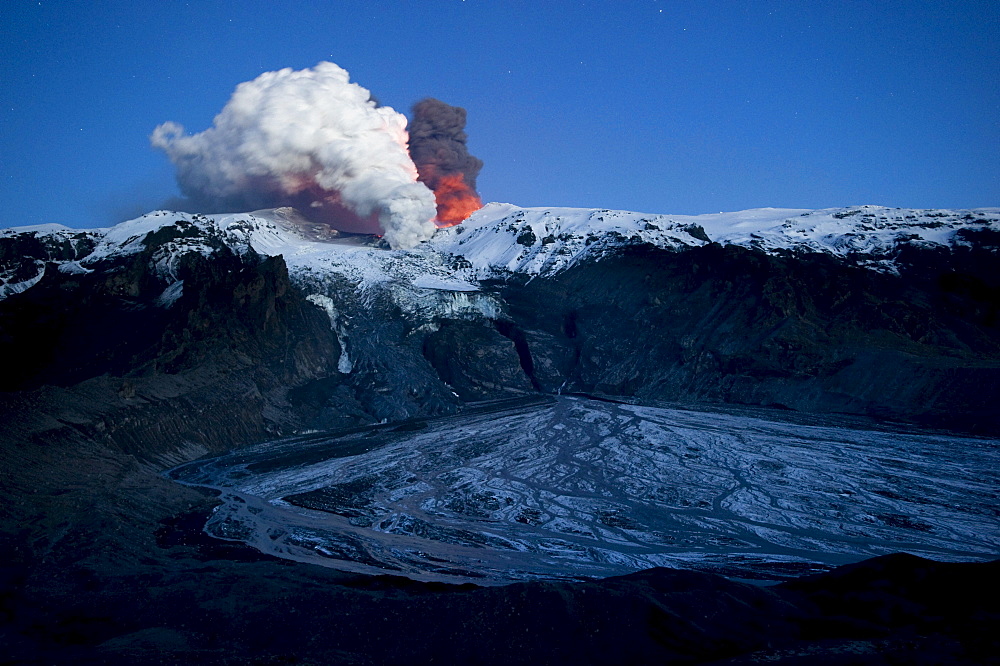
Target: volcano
{"x":545,"y":434}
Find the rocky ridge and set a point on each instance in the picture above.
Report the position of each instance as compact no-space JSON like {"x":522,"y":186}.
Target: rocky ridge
{"x":865,"y":310}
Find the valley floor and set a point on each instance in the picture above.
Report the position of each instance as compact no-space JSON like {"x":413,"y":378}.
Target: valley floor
{"x":575,"y":488}
{"x":105,"y":561}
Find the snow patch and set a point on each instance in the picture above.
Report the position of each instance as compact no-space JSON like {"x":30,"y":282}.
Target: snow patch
{"x":171,"y":294}
{"x":10,"y":288}
{"x":344,"y":364}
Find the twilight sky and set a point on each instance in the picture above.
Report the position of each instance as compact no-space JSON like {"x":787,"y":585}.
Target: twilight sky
{"x":656,"y":106}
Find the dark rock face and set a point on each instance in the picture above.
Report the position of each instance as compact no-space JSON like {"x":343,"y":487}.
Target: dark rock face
{"x":727,"y":324}
{"x":476,"y":360}
{"x":707,"y":324}
{"x":231,"y":310}
{"x":19,"y":254}
{"x":212,"y":369}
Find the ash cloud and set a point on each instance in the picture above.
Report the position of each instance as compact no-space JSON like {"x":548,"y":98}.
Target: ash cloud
{"x":309,"y":139}
{"x":438,"y":148}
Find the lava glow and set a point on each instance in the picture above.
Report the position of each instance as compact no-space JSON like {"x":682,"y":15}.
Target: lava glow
{"x":456,"y":201}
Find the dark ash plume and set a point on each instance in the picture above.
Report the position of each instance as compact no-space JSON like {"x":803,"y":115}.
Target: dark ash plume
{"x":438,"y":147}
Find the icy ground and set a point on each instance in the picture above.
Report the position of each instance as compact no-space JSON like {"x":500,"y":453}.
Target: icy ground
{"x":576,"y":487}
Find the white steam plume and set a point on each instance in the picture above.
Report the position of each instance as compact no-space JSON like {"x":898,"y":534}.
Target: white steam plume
{"x":311,"y":139}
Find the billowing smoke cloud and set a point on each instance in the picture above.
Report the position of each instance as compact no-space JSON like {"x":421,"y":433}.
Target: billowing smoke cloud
{"x":309,"y":139}
{"x":437,"y":146}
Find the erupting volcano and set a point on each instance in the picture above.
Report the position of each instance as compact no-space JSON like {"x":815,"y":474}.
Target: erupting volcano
{"x":314,"y":140}
{"x":456,"y":201}
{"x":311,"y":139}
{"x":438,"y":148}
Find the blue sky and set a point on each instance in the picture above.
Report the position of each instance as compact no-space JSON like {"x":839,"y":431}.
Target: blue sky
{"x":649,"y":105}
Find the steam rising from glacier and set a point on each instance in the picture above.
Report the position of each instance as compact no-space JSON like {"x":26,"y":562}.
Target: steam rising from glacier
{"x":309,"y":139}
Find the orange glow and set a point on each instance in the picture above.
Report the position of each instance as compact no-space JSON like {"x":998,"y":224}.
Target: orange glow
{"x":455,"y":200}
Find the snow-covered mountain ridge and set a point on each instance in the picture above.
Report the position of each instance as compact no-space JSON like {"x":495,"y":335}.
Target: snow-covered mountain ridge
{"x":498,"y":241}
{"x":538,"y":241}
{"x":864,"y":310}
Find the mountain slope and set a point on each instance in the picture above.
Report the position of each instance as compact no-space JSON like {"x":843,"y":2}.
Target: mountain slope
{"x":724,"y":324}
{"x":866,"y":310}
{"x":503,"y":239}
